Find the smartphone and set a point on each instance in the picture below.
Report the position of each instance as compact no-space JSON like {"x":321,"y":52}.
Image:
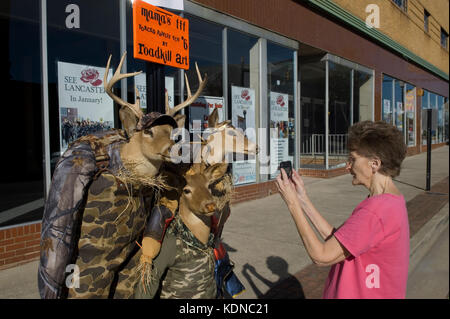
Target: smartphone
{"x":287,"y":166}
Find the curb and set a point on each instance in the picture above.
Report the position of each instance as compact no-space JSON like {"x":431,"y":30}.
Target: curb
{"x":424,"y":239}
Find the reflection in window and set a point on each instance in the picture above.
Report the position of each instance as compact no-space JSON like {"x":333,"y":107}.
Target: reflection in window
{"x":362,"y":96}
{"x":312,"y":117}
{"x":21,"y":180}
{"x":387,"y":103}
{"x":339,"y":112}
{"x":243,"y":95}
{"x":280,"y":72}
{"x":399,"y":104}
{"x":410,"y":110}
{"x":440,"y":119}
{"x":425,"y":106}
{"x":76,"y":63}
{"x":205,"y":48}
{"x":433,"y":106}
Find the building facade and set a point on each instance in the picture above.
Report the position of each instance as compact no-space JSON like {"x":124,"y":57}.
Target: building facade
{"x":297,"y":72}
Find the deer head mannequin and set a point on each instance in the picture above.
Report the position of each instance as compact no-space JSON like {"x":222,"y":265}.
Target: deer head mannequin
{"x":225,"y":139}
{"x":150,"y":134}
{"x":197,"y":202}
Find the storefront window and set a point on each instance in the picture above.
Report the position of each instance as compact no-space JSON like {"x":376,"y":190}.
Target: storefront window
{"x":362,"y":96}
{"x":399,"y":104}
{"x":410,"y":109}
{"x":440,"y":120}
{"x":312,"y":117}
{"x":433,"y":106}
{"x":339,"y":112}
{"x":280,"y":73}
{"x":21,"y":180}
{"x":243,"y":95}
{"x":425,"y":106}
{"x":387,"y":104}
{"x":77,"y":58}
{"x":205,"y":48}
{"x":446,"y":115}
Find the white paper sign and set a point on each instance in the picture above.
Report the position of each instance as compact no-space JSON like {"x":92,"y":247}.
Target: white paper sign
{"x":84,"y":106}
{"x":141,"y":85}
{"x":200,"y":110}
{"x":279,"y":117}
{"x":171,"y":4}
{"x":386,"y":106}
{"x":243,"y":116}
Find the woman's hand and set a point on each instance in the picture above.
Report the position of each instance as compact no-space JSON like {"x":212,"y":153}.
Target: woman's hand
{"x":299,"y":186}
{"x":287,"y":189}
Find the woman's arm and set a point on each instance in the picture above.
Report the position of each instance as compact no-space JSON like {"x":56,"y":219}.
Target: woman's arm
{"x":322,"y":226}
{"x":322,"y":254}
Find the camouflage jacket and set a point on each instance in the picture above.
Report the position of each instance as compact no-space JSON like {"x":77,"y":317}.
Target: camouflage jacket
{"x":64,"y":207}
{"x":184,"y":268}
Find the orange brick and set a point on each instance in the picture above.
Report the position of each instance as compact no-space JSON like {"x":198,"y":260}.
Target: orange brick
{"x":2,"y":249}
{"x":26,"y":229}
{"x":32,"y":229}
{"x":14,"y":232}
{"x":2,"y":235}
{"x":15,"y":247}
{"x":38,"y":227}
{"x":20,"y":231}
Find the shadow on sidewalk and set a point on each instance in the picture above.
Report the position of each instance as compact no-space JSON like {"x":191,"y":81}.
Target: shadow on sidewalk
{"x":286,"y":287}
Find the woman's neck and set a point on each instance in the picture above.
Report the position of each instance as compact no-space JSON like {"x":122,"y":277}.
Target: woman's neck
{"x":382,"y":184}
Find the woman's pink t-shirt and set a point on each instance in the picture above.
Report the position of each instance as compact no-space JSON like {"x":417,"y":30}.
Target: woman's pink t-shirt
{"x":377,"y":237}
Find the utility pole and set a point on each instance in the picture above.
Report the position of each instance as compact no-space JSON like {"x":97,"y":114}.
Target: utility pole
{"x":429,"y":123}
{"x":155,"y":80}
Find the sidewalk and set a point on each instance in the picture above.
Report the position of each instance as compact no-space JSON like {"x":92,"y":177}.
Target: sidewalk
{"x":261,"y":233}
{"x":270,"y":259}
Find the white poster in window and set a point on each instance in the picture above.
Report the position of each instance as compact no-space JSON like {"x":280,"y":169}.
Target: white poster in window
{"x":84,"y":106}
{"x":141,"y":84}
{"x":200,"y":110}
{"x":279,"y":117}
{"x":243,"y":117}
{"x":170,"y":4}
{"x":386,"y":106}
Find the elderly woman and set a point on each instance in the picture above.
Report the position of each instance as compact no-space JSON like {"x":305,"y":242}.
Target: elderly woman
{"x":370,"y":251}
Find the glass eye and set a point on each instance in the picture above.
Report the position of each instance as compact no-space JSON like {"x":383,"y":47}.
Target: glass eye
{"x":186,"y":191}
{"x":149,"y":132}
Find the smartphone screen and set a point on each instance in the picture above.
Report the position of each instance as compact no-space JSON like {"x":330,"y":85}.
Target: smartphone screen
{"x":287,"y":166}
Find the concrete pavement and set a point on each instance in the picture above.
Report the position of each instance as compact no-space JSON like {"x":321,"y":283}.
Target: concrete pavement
{"x":270,"y":258}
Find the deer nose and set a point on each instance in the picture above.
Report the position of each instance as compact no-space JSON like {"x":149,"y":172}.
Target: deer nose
{"x":211,"y":207}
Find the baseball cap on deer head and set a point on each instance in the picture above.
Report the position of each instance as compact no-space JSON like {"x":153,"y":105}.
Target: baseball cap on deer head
{"x":155,"y":118}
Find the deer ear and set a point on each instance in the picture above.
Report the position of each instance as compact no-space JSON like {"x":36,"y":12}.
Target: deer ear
{"x":213,"y":118}
{"x":128,"y":119}
{"x":216,"y":171}
{"x":180,"y":119}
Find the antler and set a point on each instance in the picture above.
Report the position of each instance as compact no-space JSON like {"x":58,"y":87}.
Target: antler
{"x":136,"y":108}
{"x":191,"y":98}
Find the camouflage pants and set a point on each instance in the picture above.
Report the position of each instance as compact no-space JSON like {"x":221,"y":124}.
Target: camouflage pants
{"x":183,"y":269}
{"x":112,"y":223}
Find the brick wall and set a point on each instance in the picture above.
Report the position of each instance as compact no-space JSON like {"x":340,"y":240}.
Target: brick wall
{"x":19,"y":244}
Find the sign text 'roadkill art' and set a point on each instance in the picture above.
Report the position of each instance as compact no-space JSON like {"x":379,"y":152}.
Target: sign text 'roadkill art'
{"x":160,"y":36}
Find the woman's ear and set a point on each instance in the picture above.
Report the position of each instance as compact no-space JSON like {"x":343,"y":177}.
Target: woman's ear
{"x":375,"y":165}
